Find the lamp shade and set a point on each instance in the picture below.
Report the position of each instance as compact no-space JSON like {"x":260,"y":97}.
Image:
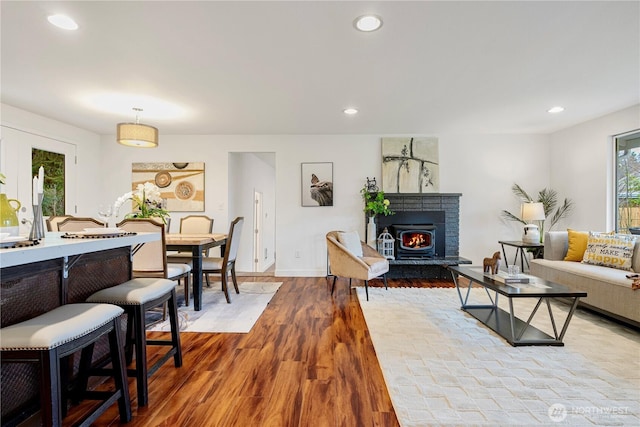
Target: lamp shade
{"x":137,"y":135}
{"x":532,"y":211}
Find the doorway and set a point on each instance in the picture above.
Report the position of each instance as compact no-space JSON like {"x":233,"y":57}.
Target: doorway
{"x":252,"y":195}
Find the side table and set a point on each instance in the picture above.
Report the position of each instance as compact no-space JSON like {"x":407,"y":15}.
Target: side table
{"x":538,"y":251}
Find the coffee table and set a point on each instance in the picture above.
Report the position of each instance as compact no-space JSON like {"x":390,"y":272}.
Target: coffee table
{"x":516,"y":331}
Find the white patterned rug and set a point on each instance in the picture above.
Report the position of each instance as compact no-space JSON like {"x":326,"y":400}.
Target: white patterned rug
{"x":442,"y":367}
{"x":218,"y":316}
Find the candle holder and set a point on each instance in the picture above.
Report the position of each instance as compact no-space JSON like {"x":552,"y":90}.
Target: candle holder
{"x":37,"y":226}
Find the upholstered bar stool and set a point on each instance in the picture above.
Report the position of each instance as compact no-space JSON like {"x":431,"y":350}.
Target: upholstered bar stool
{"x":48,"y":338}
{"x":136,"y":297}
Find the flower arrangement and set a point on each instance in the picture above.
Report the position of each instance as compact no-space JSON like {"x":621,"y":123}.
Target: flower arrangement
{"x":147,"y":202}
{"x":375,"y":203}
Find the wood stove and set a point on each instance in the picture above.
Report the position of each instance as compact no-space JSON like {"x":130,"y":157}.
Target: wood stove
{"x":414,"y":241}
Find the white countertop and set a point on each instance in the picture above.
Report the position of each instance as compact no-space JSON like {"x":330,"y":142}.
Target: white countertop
{"x":53,"y":246}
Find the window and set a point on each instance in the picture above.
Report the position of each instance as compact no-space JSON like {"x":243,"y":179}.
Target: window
{"x":53,"y":163}
{"x":628,"y":182}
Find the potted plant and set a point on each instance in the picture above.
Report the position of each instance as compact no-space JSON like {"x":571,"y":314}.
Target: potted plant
{"x":374,"y":204}
{"x":549,"y":199}
{"x":147,"y":203}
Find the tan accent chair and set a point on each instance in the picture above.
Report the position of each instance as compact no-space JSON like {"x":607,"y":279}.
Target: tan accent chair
{"x":54,"y":220}
{"x":343,"y":262}
{"x":76,"y":223}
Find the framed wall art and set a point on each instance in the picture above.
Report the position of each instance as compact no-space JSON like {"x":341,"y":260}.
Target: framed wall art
{"x":410,"y":165}
{"x":181,"y":184}
{"x":317,"y":184}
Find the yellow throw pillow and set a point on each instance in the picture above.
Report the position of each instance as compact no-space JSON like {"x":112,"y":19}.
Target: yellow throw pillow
{"x":577,"y":245}
{"x":610,"y":250}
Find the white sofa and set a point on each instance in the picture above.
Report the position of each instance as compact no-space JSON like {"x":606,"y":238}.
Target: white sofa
{"x":608,"y":289}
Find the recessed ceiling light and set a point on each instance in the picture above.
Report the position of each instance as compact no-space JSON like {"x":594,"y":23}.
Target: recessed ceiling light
{"x":63,"y":21}
{"x":368,"y":23}
{"x":350,"y":111}
{"x":556,"y":109}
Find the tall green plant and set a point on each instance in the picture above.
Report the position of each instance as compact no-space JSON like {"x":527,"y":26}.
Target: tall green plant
{"x":549,"y":199}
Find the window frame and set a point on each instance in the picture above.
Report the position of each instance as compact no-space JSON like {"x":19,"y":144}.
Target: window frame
{"x":616,"y":139}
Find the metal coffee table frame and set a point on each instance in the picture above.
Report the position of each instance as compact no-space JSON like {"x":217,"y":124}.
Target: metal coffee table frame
{"x":513,"y":329}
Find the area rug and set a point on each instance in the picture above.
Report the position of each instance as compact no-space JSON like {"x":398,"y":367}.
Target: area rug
{"x":442,"y":367}
{"x":219,"y":316}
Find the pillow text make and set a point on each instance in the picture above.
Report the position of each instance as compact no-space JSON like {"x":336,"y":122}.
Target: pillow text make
{"x":609,"y":250}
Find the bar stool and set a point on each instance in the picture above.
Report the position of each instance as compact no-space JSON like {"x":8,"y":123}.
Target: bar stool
{"x":48,"y":338}
{"x":136,"y":297}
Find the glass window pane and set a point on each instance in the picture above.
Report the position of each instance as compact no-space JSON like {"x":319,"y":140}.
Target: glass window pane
{"x":53,"y":163}
{"x":628,"y":183}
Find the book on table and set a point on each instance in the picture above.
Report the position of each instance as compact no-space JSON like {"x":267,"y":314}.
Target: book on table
{"x":504,"y":277}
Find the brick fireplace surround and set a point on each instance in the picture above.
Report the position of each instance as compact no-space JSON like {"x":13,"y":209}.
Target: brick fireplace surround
{"x":416,"y":205}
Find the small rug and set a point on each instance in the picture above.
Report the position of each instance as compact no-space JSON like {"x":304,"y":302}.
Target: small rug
{"x":219,"y":316}
{"x":443,"y":367}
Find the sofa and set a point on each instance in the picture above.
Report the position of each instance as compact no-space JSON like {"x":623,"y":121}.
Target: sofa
{"x":608,"y":289}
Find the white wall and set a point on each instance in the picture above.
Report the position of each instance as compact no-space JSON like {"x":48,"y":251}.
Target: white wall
{"x":481,"y":167}
{"x":87,"y":148}
{"x":582,"y":167}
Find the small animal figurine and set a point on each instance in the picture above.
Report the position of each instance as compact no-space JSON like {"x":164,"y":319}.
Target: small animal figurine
{"x":492,"y":265}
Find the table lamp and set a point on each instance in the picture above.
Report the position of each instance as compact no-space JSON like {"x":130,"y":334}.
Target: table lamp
{"x":532,"y":211}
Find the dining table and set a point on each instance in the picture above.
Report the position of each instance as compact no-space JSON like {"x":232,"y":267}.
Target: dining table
{"x":196,"y":244}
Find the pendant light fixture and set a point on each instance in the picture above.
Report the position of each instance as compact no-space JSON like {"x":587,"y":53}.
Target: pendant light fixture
{"x":137,"y":134}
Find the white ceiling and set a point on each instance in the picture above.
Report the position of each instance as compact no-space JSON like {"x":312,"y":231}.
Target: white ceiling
{"x":292,"y":67}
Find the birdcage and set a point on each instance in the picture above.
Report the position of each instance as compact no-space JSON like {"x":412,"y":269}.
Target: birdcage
{"x":386,"y":244}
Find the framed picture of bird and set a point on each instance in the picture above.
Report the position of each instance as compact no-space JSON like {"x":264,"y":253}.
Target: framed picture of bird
{"x":317,"y":184}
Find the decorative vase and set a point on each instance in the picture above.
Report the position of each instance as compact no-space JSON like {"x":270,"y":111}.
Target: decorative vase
{"x":371,"y":232}
{"x":8,"y":216}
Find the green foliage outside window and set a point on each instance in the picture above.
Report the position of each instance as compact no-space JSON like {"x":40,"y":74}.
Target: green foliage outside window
{"x":53,"y":163}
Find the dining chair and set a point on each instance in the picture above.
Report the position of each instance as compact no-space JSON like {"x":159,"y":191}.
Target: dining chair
{"x":227,"y":263}
{"x":195,"y":224}
{"x":352,"y":258}
{"x":150,"y":259}
{"x":192,"y":224}
{"x":76,"y":223}
{"x":153,"y":285}
{"x":54,"y":220}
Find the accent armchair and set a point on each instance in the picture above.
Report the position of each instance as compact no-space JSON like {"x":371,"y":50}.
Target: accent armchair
{"x":350,"y":257}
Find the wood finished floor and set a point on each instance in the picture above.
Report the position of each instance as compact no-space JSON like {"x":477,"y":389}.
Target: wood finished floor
{"x":308,"y":361}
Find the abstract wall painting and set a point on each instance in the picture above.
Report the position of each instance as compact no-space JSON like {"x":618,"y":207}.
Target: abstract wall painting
{"x":181,"y":184}
{"x":410,"y":165}
{"x":317,"y":184}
